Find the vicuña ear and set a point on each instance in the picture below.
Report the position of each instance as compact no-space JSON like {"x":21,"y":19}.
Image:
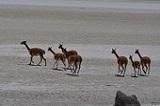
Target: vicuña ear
{"x":114,"y":49}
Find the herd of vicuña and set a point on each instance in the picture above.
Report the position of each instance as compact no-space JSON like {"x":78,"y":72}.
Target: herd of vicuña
{"x":144,"y":63}
{"x":72,"y":56}
{"x":74,"y":60}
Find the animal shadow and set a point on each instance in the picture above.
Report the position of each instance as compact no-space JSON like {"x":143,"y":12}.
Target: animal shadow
{"x":118,"y":75}
{"x":66,"y":68}
{"x":134,"y":76}
{"x":72,"y":74}
{"x":142,"y":75}
{"x":33,"y":65}
{"x":57,"y":69}
{"x":22,"y":64}
{"x":27,"y":64}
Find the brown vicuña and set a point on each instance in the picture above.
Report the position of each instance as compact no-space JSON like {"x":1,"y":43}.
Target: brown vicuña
{"x":76,"y":61}
{"x":145,"y":62}
{"x":135,"y":65}
{"x":67,"y":53}
{"x":35,"y":52}
{"x":122,"y":62}
{"x":58,"y":57}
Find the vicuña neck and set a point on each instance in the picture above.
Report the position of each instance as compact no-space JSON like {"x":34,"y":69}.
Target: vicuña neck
{"x":116,"y":55}
{"x":64,"y":51}
{"x":52,"y":51}
{"x":131,"y":60}
{"x":27,"y":47}
{"x":139,"y":55}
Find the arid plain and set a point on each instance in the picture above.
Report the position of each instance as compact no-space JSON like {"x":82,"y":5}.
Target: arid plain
{"x":93,"y":33}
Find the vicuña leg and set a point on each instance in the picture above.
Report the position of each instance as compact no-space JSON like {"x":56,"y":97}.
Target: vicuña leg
{"x":148,"y":69}
{"x":64,"y":63}
{"x":44,"y":59}
{"x":79,"y":67}
{"x":124,"y":70}
{"x":143,"y":69}
{"x":55,"y":64}
{"x":31,"y":59}
{"x":40,"y":60}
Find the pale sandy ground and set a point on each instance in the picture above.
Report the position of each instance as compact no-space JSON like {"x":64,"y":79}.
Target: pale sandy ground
{"x":23,"y":85}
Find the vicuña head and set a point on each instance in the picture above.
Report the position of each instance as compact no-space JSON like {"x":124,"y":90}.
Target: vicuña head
{"x":23,"y":42}
{"x":34,"y":52}
{"x":60,"y":45}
